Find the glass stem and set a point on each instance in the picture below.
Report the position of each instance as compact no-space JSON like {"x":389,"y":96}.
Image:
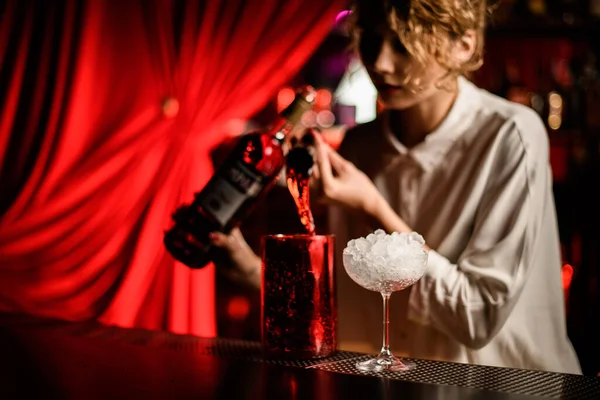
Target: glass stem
{"x":385,"y":349}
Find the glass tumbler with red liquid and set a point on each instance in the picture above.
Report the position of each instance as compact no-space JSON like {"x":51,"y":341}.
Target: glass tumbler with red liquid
{"x":298,"y":296}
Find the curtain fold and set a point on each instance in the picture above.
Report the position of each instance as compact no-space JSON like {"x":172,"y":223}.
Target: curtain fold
{"x":108,"y":113}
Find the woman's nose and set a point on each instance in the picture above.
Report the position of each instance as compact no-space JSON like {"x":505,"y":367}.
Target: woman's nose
{"x":384,"y":63}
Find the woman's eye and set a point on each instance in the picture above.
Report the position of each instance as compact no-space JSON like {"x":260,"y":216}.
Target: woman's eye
{"x":370,"y":46}
{"x":398,"y":46}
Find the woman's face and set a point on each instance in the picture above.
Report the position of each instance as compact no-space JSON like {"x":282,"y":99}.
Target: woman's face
{"x":390,"y":68}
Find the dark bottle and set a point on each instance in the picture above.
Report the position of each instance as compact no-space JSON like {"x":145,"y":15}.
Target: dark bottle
{"x":250,"y":170}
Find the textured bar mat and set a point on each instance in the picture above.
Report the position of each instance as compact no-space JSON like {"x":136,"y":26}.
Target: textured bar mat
{"x":507,"y":380}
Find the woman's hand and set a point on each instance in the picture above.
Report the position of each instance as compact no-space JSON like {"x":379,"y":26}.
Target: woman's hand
{"x":340,"y":182}
{"x":236,"y":260}
{"x":352,"y":188}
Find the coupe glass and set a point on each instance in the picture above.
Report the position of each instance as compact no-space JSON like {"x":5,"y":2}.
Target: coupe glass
{"x":385,"y":264}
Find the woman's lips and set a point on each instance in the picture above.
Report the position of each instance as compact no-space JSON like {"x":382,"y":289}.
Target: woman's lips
{"x":388,"y":89}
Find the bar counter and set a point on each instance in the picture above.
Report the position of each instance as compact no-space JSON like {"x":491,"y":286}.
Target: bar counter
{"x":87,"y":360}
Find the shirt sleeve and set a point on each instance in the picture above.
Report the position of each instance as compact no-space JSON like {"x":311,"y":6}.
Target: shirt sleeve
{"x":471,"y":299}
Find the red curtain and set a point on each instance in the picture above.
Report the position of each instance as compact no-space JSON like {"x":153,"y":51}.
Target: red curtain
{"x":109,"y":111}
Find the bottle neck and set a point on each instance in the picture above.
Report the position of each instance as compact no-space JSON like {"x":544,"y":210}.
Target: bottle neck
{"x":292,"y":115}
{"x":281,"y":128}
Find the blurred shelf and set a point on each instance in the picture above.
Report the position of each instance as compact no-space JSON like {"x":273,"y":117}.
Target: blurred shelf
{"x":573,"y":133}
{"x":589,"y":30}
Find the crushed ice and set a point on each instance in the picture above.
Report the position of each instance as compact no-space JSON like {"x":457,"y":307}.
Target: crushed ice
{"x":383,"y":262}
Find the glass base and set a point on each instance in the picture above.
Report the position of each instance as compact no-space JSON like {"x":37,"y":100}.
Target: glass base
{"x":385,"y":363}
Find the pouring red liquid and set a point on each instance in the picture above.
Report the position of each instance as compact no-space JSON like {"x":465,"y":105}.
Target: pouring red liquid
{"x":299,"y":165}
{"x":298,"y":295}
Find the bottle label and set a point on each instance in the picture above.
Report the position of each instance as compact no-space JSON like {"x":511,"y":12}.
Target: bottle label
{"x":227,"y":191}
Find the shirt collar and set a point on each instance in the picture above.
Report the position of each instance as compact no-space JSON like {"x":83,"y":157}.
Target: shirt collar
{"x":430,"y":153}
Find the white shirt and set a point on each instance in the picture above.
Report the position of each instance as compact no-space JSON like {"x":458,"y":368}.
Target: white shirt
{"x":479,"y":190}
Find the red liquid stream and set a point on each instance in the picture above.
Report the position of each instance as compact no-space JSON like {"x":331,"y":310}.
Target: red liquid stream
{"x":298,"y":186}
{"x":299,"y":167}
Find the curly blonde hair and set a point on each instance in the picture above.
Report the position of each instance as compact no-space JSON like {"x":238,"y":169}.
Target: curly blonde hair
{"x":426,"y":28}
